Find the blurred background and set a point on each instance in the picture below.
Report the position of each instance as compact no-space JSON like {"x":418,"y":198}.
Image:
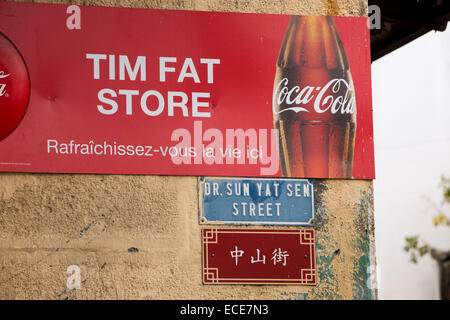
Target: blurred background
{"x":411,"y":101}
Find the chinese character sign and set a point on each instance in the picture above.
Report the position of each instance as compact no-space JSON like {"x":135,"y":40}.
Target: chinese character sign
{"x":184,"y":93}
{"x":259,"y":256}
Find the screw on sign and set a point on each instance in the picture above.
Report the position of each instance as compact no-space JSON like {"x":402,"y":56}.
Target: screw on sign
{"x":14,"y":87}
{"x":314,"y":102}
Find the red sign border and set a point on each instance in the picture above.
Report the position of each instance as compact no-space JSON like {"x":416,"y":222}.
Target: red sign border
{"x":306,"y":235}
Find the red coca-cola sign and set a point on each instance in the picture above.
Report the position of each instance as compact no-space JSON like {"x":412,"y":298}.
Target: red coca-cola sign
{"x":184,"y":93}
{"x":14,"y":87}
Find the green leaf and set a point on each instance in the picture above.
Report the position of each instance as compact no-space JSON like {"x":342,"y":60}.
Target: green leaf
{"x":423,"y":250}
{"x":412,"y":241}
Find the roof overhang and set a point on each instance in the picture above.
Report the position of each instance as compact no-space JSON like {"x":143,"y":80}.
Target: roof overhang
{"x":402,"y":21}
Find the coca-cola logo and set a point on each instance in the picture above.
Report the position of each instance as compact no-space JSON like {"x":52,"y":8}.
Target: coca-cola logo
{"x":3,"y":85}
{"x":14,"y":87}
{"x":335,"y":97}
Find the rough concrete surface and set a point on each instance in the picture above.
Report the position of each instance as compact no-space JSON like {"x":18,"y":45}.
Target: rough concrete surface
{"x":138,"y":237}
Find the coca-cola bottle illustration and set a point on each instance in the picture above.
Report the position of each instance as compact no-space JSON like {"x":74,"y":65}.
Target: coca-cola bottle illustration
{"x":313,"y":101}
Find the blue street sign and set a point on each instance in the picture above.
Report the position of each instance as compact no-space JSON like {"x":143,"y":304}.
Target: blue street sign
{"x":256,"y":201}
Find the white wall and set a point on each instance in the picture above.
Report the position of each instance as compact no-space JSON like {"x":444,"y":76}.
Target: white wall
{"x":411,"y":100}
